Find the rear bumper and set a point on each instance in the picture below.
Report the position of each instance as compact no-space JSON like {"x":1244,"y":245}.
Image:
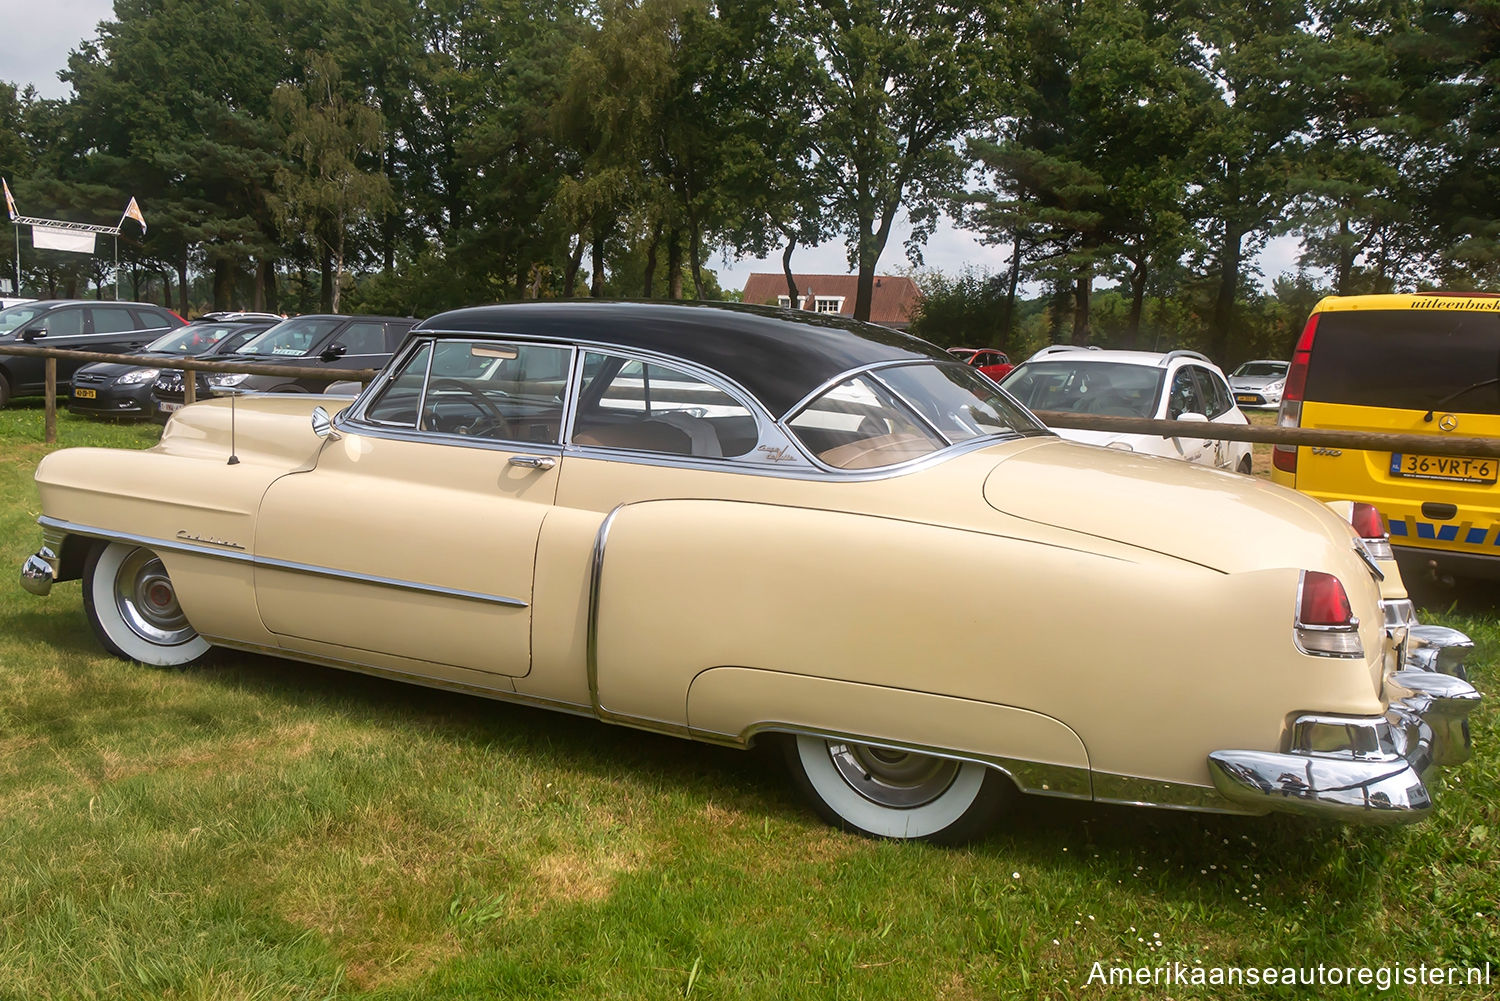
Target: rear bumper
{"x":1366,"y":769}
{"x":1422,"y":563}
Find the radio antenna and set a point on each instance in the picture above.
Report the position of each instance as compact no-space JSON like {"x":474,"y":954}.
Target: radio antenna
{"x":234,"y":460}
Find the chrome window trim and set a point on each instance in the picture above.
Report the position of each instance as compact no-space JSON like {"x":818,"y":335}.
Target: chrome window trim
{"x":352,"y":420}
{"x":312,"y":570}
{"x":767,"y":431}
{"x":355,"y":413}
{"x":873,"y":370}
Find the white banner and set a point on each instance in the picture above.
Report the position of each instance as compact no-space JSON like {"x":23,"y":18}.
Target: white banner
{"x":49,"y":238}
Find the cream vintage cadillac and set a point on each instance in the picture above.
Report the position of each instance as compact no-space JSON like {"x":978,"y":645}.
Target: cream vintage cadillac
{"x":741,"y":524}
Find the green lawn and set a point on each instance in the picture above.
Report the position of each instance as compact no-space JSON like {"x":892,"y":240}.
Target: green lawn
{"x":262,"y":829}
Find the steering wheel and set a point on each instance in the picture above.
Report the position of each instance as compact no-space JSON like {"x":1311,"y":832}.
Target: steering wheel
{"x":490,"y":418}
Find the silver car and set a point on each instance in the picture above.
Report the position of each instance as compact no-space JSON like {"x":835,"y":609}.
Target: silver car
{"x":1259,"y":383}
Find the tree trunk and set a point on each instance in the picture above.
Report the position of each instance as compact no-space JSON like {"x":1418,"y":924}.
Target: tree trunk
{"x":1008,"y":313}
{"x":1083,"y":286}
{"x":871,"y":246}
{"x":325,"y":269}
{"x":166,"y":288}
{"x":182,"y":285}
{"x":1346,"y":259}
{"x":575,"y":262}
{"x":223,"y":294}
{"x":596,"y":284}
{"x":1137,"y":302}
{"x":786,"y":269}
{"x":649,"y":280}
{"x":695,"y":254}
{"x":1229,"y":281}
{"x":269,"y":298}
{"x":674,"y":264}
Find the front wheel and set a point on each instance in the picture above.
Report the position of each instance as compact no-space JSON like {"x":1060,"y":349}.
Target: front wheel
{"x":133,"y":607}
{"x":887,"y":793}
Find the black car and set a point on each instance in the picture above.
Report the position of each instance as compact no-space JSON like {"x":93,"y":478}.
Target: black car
{"x":114,"y":389}
{"x":337,"y":343}
{"x":78,"y":325}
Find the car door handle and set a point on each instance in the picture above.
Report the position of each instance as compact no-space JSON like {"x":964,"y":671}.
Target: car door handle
{"x":533,"y":461}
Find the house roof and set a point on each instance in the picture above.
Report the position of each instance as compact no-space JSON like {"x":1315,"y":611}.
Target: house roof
{"x":894,"y":300}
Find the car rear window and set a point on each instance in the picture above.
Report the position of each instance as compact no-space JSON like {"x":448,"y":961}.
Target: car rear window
{"x":1407,"y":360}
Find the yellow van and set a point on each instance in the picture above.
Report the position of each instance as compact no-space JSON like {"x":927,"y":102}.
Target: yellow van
{"x":1424,"y":364}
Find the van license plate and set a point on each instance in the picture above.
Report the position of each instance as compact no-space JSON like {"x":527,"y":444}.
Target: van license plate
{"x":83,"y":394}
{"x":1443,"y":467}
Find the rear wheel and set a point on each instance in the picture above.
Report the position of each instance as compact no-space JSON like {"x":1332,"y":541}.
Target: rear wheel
{"x":133,"y":607}
{"x":1246,"y":466}
{"x":4,"y":391}
{"x":887,"y":793}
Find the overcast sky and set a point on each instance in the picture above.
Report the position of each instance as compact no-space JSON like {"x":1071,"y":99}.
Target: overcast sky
{"x":39,"y":36}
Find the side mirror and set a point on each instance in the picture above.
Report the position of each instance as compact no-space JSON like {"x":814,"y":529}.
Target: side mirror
{"x":322,"y":424}
{"x":333,"y":351}
{"x":32,"y":334}
{"x":1193,"y":418}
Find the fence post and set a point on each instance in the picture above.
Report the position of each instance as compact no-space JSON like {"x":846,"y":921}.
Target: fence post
{"x":50,"y":420}
{"x":189,"y":387}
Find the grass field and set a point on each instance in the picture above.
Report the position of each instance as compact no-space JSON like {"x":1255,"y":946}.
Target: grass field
{"x":261,"y":829}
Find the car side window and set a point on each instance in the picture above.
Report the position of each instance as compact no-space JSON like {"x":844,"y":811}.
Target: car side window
{"x":646,"y":407}
{"x":1186,"y":397}
{"x":64,"y":321}
{"x":111,"y":320}
{"x":478,"y":389}
{"x":1217,"y":393}
{"x":362,"y":338}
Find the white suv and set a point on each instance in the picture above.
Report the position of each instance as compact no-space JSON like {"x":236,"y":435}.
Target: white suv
{"x":1178,"y":386}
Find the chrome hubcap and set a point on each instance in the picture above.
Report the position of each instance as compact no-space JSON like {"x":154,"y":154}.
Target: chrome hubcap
{"x":147,"y":602}
{"x":899,"y":779}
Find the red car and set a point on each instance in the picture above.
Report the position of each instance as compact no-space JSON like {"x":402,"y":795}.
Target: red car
{"x":989,"y":361}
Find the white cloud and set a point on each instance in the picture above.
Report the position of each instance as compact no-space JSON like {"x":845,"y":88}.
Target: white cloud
{"x":39,"y":36}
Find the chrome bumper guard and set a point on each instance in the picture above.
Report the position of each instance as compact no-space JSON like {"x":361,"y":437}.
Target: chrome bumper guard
{"x":38,"y":571}
{"x":1367,"y":769}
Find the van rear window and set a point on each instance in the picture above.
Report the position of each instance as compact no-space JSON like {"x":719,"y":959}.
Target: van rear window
{"x":1407,"y":360}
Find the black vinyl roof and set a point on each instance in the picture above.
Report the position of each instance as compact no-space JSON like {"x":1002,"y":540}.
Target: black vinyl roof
{"x":780,"y":355}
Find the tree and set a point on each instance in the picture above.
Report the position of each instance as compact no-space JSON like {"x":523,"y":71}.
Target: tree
{"x":894,"y":89}
{"x":331,"y":183}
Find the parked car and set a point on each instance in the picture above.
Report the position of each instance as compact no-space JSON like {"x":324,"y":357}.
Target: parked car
{"x":1259,"y":383}
{"x":738,"y":526}
{"x":334,"y":342}
{"x":115,"y":389}
{"x":990,"y":361}
{"x":1421,"y":364}
{"x":78,"y":325}
{"x":1177,"y":385}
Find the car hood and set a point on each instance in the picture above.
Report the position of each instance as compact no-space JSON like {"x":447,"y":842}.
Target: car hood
{"x":114,"y":369}
{"x":1254,"y":381}
{"x":1226,"y":521}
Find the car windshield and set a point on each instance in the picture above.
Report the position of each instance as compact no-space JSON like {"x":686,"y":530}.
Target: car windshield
{"x":1081,"y":387}
{"x":1261,"y":370}
{"x":191,"y":339}
{"x":13,"y":317}
{"x":903,"y":412}
{"x":296,"y":336}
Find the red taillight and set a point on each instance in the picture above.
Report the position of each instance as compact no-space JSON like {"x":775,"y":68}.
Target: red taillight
{"x":1325,"y":626}
{"x":1324,"y":602}
{"x":1284,"y":457}
{"x":1366,"y":521}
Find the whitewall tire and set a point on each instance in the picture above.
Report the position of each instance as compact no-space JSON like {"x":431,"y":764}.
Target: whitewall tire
{"x":901,"y":795}
{"x":133,"y":607}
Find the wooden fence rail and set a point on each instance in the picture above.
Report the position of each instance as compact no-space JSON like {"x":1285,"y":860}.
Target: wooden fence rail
{"x":1441,"y":444}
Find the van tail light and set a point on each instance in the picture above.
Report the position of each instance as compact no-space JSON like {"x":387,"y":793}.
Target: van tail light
{"x":1284,"y":457}
{"x":1325,"y":625}
{"x":1371,"y":531}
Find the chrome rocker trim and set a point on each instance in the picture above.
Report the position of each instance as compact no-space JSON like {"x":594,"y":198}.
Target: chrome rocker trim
{"x":54,"y":531}
{"x":1358,"y":769}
